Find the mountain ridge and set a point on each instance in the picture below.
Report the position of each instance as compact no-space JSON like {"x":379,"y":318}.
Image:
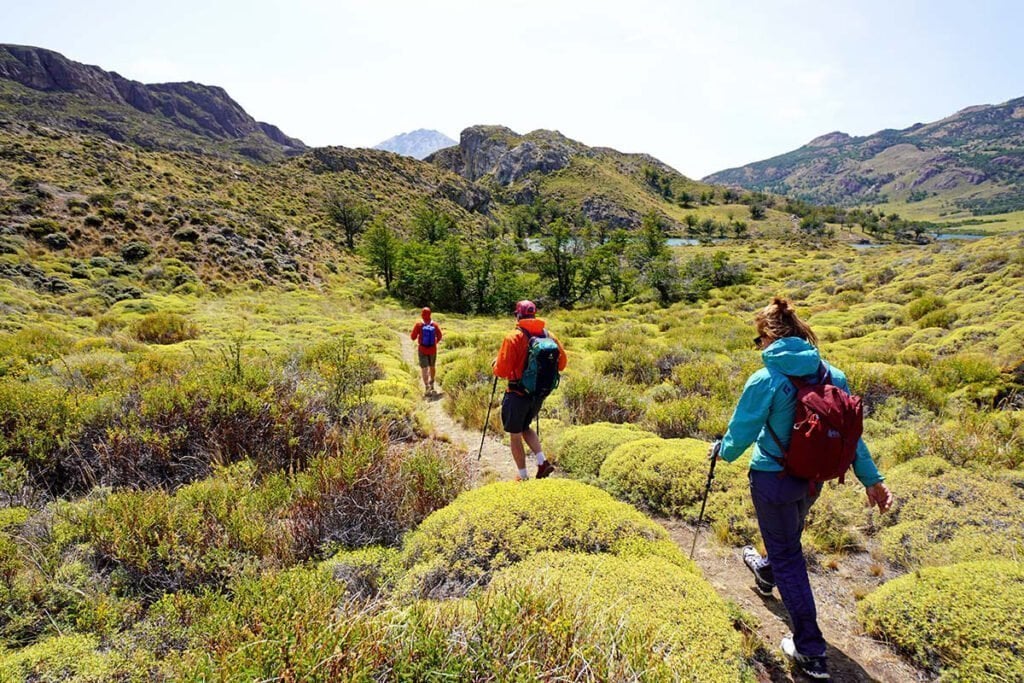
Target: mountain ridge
{"x":87,"y":97}
{"x":970,"y":161}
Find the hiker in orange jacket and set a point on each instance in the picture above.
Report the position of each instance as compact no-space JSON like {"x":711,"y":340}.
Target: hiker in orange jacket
{"x":428,"y":334}
{"x":518,"y":407}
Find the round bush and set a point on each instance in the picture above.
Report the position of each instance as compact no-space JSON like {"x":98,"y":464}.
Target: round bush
{"x":588,"y":399}
{"x":677,"y":418}
{"x":945,"y":514}
{"x":495,"y":526}
{"x":965,"y":620}
{"x":584,"y":448}
{"x":164,"y":328}
{"x":663,"y":475}
{"x":133,"y":252}
{"x":663,"y":617}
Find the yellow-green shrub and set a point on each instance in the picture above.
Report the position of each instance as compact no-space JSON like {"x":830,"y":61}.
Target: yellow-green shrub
{"x":663,"y":475}
{"x":977,"y":440}
{"x":677,"y":418}
{"x":924,"y":305}
{"x":588,"y":399}
{"x":965,"y":621}
{"x":164,"y":328}
{"x":497,"y":525}
{"x":945,"y":514}
{"x":584,"y":448}
{"x":75,"y":658}
{"x":366,"y":572}
{"x":645,"y":601}
{"x":467,"y":382}
{"x":877,"y":382}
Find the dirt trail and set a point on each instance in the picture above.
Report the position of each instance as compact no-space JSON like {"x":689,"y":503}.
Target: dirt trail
{"x":852,"y":655}
{"x":495,"y":461}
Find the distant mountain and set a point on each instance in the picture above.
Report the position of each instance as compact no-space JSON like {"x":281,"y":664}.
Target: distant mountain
{"x":972,"y":160}
{"x":45,"y":87}
{"x":419,"y":144}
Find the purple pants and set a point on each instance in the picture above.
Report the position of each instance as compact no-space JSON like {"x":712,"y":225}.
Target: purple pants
{"x":781,"y":504}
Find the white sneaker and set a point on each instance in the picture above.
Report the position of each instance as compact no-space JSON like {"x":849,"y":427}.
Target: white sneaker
{"x":814,"y":667}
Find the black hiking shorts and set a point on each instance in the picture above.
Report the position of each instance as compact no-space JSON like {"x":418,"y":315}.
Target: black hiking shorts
{"x":518,"y":411}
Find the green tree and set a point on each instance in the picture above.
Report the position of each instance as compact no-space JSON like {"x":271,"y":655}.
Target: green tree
{"x":706,"y":230}
{"x":431,"y":224}
{"x":560,"y":261}
{"x":449,"y":278}
{"x":347,"y":213}
{"x":380,"y":249}
{"x":691,"y":225}
{"x":757,"y":212}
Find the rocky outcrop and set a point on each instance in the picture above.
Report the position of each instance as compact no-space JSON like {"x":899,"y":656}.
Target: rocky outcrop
{"x":505,"y":155}
{"x":526,"y":158}
{"x":207,"y":111}
{"x":603,"y":210}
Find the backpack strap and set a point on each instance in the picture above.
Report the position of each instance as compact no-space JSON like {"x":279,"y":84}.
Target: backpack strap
{"x":778,"y":442}
{"x":822,"y":376}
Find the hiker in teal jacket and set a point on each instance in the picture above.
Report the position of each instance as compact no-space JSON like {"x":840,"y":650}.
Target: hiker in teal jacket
{"x":788,"y":347}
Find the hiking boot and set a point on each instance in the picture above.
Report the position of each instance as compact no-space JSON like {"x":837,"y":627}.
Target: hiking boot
{"x":544,"y":469}
{"x":764,"y":579}
{"x":814,"y":667}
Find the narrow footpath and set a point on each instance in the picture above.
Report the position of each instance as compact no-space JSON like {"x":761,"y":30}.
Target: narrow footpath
{"x":853,"y":656}
{"x":495,"y":462}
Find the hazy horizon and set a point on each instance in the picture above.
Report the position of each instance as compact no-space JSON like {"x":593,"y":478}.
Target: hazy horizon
{"x":701,"y":88}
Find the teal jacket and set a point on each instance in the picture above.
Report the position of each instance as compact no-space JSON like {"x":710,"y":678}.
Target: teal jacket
{"x":770,"y":398}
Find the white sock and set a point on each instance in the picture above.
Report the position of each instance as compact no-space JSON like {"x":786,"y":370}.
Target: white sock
{"x":540,"y":458}
{"x":523,"y":474}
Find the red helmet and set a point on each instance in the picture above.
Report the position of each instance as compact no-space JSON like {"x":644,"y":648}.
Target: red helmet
{"x":526,"y":309}
{"x":425,"y":314}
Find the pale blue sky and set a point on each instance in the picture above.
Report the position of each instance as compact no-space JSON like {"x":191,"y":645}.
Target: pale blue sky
{"x":701,"y":85}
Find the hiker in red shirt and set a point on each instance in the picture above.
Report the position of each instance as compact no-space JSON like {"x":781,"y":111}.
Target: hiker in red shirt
{"x":428,"y":333}
{"x":530,"y":359}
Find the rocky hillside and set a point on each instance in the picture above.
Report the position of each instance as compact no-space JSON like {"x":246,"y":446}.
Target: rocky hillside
{"x":46,"y":87}
{"x":600,"y":183}
{"x":970,"y":161}
{"x":418,"y":144}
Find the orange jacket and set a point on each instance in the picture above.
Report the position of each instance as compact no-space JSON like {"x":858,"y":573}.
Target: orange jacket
{"x":427,"y":350}
{"x":512,"y":355}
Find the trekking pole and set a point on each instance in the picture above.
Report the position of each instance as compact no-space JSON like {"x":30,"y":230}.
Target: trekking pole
{"x":707,"y":489}
{"x":494,"y":387}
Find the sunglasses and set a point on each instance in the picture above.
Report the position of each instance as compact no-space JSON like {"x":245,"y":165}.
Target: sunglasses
{"x":757,"y":342}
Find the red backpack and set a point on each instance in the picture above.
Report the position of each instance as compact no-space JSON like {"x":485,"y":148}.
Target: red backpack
{"x":826,"y":429}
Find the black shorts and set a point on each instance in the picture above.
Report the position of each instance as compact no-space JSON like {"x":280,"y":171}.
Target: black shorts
{"x":518,"y":411}
{"x":427,"y":360}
